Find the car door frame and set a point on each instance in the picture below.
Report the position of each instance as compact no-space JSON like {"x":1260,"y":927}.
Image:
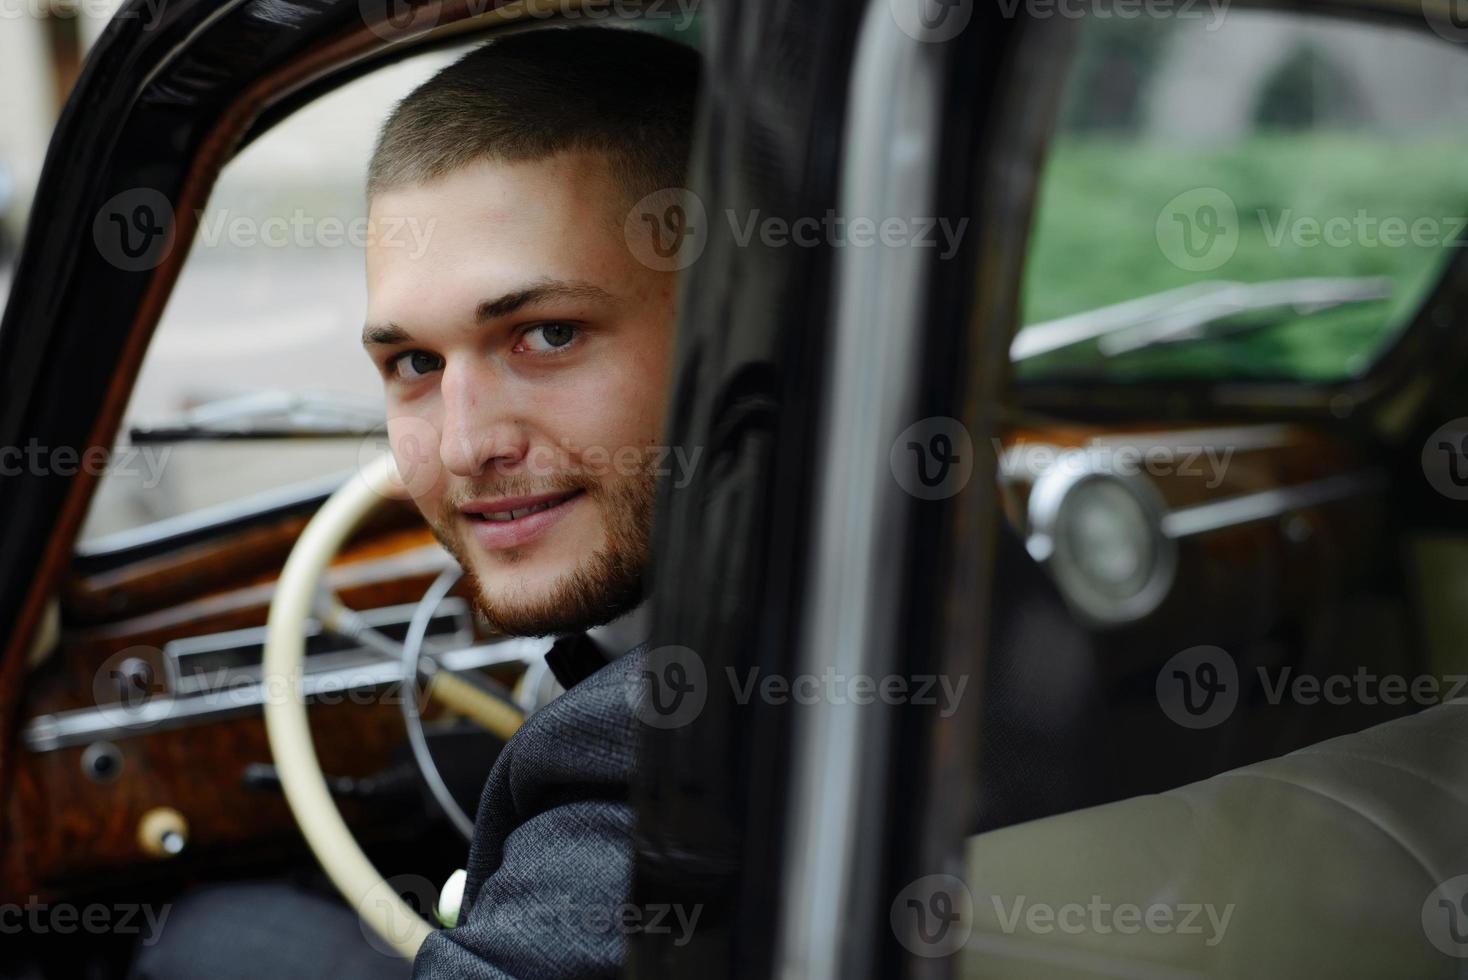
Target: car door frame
{"x":800,"y":545}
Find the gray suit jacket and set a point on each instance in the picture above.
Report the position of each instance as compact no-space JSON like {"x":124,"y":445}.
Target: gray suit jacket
{"x":550,"y":868}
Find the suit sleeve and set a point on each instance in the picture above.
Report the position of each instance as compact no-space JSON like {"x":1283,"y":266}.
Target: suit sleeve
{"x":550,"y":868}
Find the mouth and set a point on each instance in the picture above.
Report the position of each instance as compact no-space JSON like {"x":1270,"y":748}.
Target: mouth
{"x":511,"y":522}
{"x":513,"y":509}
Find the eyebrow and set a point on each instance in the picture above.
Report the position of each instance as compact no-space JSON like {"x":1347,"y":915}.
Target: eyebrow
{"x":497,"y":307}
{"x":390,"y":333}
{"x":493,"y":309}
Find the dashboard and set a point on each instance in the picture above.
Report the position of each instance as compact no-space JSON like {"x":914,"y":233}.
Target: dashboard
{"x":142,"y":743}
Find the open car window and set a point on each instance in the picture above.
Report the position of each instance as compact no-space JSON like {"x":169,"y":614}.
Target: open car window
{"x":254,"y":385}
{"x":1261,"y":195}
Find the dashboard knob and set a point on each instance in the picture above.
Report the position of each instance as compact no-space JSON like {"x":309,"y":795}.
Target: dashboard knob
{"x":163,"y":832}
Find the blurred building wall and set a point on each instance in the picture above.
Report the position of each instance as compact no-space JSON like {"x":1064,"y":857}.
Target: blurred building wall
{"x":27,"y":107}
{"x":36,"y":72}
{"x":1402,"y":78}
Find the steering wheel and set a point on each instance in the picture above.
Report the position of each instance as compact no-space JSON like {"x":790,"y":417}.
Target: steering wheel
{"x":297,"y":594}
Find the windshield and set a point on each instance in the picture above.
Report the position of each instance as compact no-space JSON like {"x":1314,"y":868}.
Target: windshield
{"x":1270,"y":199}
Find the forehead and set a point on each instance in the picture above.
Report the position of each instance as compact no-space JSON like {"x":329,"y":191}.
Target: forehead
{"x":559,"y":217}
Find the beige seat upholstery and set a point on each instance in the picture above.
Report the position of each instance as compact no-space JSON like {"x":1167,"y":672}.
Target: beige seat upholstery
{"x":1317,"y":864}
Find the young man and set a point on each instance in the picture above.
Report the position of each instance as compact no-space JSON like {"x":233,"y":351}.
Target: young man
{"x":525,"y":357}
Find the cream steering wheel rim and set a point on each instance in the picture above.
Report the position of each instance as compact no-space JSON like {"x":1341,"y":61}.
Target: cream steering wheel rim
{"x":286,"y":725}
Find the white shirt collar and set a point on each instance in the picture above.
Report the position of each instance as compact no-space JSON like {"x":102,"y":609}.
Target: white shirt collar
{"x":623,"y":633}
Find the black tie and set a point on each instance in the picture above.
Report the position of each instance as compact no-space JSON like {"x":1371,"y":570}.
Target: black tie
{"x":573,"y":658}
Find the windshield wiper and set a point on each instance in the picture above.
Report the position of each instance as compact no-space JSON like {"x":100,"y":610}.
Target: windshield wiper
{"x":1184,"y":314}
{"x":268,"y":415}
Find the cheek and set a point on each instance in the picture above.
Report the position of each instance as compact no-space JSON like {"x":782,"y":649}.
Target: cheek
{"x":617,"y":409}
{"x":414,"y":444}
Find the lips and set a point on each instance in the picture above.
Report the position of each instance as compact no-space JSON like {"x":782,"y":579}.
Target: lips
{"x":511,"y":522}
{"x":515,"y":513}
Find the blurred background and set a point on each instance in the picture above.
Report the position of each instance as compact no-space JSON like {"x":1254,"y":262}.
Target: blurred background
{"x":1315,"y":159}
{"x":42,"y":43}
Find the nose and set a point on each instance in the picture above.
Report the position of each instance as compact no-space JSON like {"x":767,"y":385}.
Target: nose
{"x":481,"y":426}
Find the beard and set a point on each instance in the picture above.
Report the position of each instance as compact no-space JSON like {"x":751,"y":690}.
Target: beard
{"x":606,"y":584}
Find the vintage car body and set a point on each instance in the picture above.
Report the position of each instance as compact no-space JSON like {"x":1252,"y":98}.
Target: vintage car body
{"x":792,"y":548}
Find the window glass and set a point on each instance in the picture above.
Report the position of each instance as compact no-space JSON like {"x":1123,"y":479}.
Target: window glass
{"x":1264,"y":195}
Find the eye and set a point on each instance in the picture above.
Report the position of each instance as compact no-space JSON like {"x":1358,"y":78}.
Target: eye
{"x":414,"y":364}
{"x":549,"y":336}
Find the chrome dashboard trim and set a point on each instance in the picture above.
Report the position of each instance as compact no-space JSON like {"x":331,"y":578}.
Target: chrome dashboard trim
{"x":1217,"y":515}
{"x":186,"y":680}
{"x":46,"y":733}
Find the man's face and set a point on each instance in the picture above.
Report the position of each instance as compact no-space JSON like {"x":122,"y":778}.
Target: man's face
{"x":525,"y":355}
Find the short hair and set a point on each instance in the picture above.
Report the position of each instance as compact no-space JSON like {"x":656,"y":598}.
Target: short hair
{"x":530,"y":95}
